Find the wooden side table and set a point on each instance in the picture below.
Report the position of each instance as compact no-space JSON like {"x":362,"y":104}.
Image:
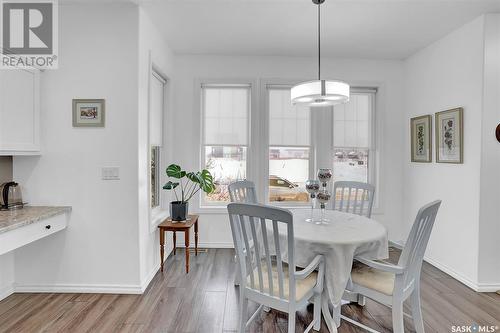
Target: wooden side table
{"x":181,"y":226}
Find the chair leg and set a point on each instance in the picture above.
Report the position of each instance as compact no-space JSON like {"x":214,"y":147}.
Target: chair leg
{"x":397,"y":317}
{"x":243,"y":312}
{"x":291,"y":321}
{"x":317,"y":312}
{"x":361,"y":300}
{"x":416,"y":310}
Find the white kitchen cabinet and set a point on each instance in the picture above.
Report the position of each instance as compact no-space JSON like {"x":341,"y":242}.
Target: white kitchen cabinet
{"x":19,"y":112}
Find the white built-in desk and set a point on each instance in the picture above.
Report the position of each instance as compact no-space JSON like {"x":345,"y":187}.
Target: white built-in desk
{"x":26,"y":225}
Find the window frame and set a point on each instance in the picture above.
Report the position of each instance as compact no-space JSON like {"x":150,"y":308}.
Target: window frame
{"x":215,"y":207}
{"x":158,"y":212}
{"x":266,"y":85}
{"x":372,"y":176}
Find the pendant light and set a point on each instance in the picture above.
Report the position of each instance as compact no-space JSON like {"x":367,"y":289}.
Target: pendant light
{"x":320,"y":92}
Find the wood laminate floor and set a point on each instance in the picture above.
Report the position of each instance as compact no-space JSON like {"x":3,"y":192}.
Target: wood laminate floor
{"x":206,"y":301}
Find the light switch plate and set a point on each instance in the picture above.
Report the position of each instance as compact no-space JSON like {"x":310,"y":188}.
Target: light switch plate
{"x":110,"y":173}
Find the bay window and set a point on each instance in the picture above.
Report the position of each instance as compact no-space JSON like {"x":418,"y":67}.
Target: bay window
{"x":279,"y":146}
{"x":225,"y":137}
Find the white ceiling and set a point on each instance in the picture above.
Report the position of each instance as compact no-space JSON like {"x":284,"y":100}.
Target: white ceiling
{"x":388,"y":29}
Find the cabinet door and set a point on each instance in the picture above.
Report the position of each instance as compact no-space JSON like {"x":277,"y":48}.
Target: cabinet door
{"x":19,"y":112}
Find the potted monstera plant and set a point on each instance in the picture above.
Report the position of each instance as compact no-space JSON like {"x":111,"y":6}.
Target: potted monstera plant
{"x":185,"y":185}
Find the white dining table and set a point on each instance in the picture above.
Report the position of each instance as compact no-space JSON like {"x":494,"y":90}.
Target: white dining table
{"x":346,"y":236}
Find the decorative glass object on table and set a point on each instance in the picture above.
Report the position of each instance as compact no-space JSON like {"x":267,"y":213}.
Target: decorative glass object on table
{"x":325,"y":176}
{"x":323,"y":198}
{"x":312,"y":187}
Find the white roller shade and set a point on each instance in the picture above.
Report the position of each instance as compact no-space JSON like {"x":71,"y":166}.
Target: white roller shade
{"x":156,"y":108}
{"x":226,"y":109}
{"x":288,"y":125}
{"x":351,"y":121}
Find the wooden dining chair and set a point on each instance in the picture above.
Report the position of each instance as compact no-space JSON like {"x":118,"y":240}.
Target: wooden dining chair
{"x":391,"y":284}
{"x":353,"y":197}
{"x":267,"y":279}
{"x":242,"y":191}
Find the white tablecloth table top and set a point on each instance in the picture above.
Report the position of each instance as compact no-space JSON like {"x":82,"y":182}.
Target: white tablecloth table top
{"x":346,"y":236}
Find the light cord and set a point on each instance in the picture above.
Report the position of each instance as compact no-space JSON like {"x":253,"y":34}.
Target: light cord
{"x":319,"y":40}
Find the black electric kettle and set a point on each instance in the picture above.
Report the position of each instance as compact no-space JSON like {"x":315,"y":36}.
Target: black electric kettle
{"x":10,"y":196}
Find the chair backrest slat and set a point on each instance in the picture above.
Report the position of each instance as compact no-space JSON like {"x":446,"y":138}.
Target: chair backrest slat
{"x":242,"y":191}
{"x":257,"y":253}
{"x":357,"y":204}
{"x":364,"y":195}
{"x":247,"y":250}
{"x":416,"y":244}
{"x":268,"y":255}
{"x":279,"y":263}
{"x":348,"y":199}
{"x":250,"y":222}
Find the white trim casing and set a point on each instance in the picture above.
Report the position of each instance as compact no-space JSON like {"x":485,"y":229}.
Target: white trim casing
{"x":202,"y":206}
{"x":157,"y":212}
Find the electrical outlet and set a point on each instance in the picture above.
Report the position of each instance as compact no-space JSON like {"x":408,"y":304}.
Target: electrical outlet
{"x":110,"y":173}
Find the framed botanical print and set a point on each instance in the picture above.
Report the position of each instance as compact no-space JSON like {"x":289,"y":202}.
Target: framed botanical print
{"x":88,"y":113}
{"x":421,"y":139}
{"x":450,"y":136}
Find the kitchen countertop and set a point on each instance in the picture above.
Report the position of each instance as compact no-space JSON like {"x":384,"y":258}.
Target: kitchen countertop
{"x":13,"y":219}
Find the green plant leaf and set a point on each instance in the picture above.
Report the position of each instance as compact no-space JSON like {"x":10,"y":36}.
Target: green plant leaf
{"x":175,"y":171}
{"x":170,"y":185}
{"x":194,"y":177}
{"x":206,"y":181}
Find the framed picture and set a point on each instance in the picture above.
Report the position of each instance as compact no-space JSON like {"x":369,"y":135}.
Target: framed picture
{"x":421,"y":139}
{"x":88,"y":113}
{"x":450,"y":136}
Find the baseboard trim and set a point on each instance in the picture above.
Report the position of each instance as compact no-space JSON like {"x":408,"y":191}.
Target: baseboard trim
{"x":395,"y":244}
{"x":211,"y":245}
{"x":6,"y":291}
{"x":79,"y":288}
{"x":476,"y":286}
{"x":488,"y":287}
{"x":220,"y":245}
{"x":453,"y":273}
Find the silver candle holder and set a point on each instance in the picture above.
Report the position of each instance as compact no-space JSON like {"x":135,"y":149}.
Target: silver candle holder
{"x":312,"y":187}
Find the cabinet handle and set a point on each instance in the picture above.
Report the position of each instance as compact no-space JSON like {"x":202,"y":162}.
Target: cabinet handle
{"x":47,"y":226}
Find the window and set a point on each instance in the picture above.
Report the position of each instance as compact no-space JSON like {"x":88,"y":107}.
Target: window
{"x":289,"y":147}
{"x":274,"y":144}
{"x":225,"y":137}
{"x":352,"y":137}
{"x":156,"y":109}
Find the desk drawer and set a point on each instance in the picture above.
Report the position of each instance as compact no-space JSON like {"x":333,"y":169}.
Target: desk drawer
{"x":13,"y":239}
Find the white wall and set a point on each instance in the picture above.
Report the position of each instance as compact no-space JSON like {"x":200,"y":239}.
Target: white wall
{"x":489,"y":227}
{"x":99,"y":250}
{"x":448,"y":74}
{"x":152,"y":50}
{"x":214,"y":227}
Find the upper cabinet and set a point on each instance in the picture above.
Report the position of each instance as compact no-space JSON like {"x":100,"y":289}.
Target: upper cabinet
{"x":20,"y":112}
